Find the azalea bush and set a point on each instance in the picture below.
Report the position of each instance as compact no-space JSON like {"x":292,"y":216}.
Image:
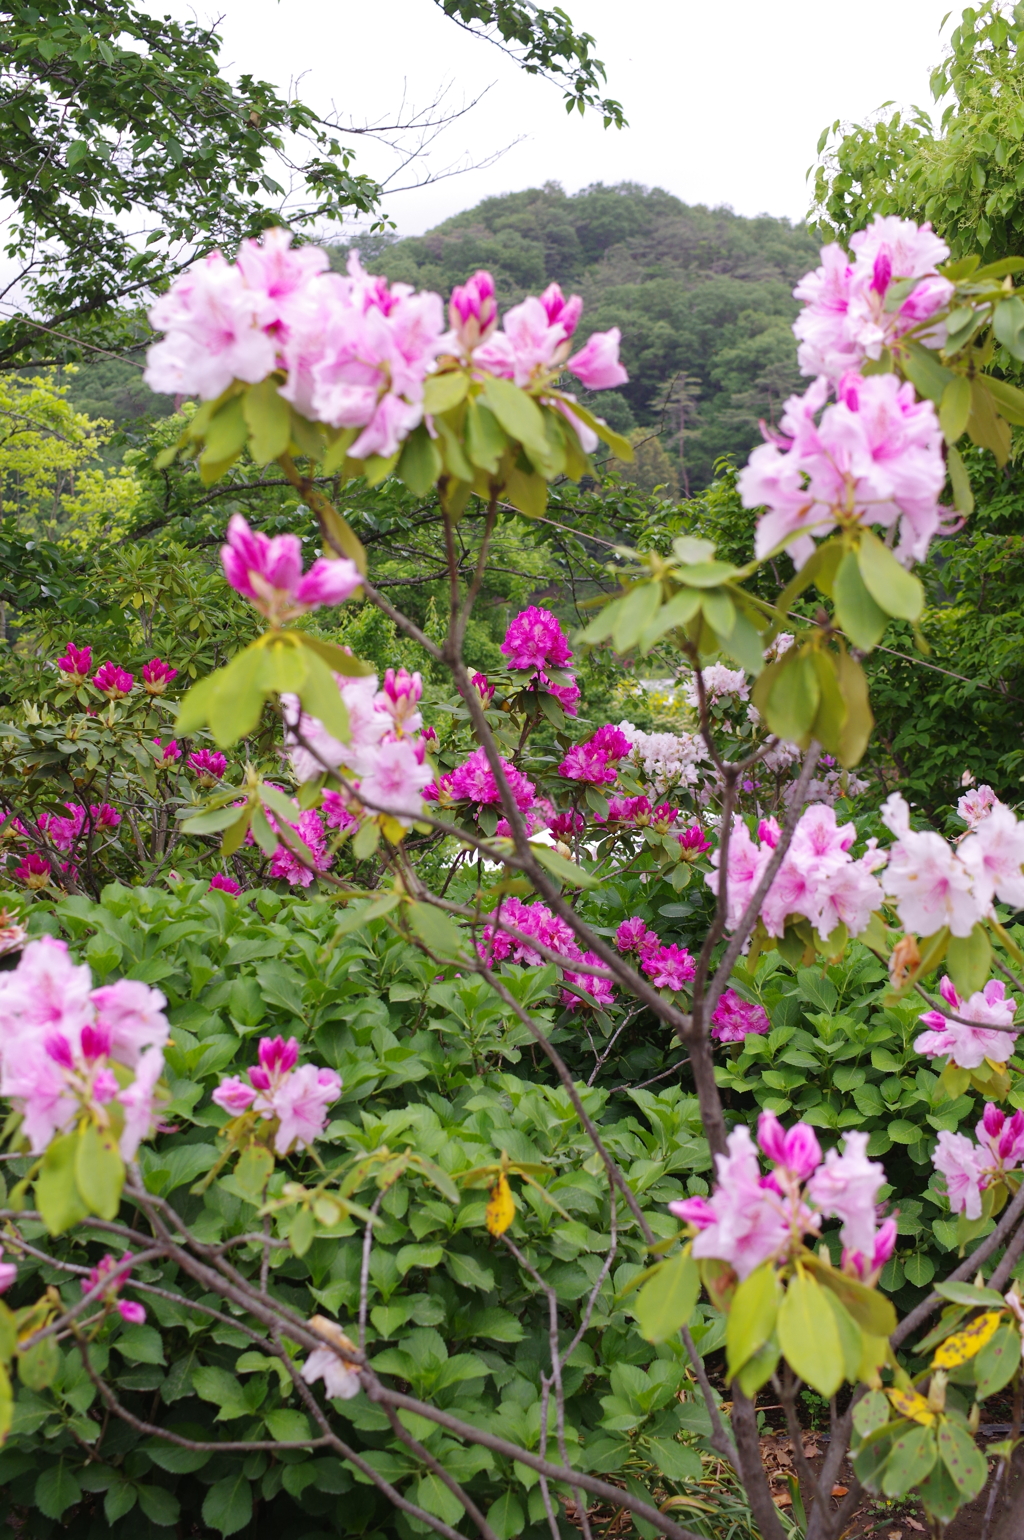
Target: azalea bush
{"x":486,"y":1187}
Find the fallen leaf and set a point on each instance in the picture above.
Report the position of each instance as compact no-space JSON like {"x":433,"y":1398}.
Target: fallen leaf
{"x":895,"y":1534}
{"x":840,"y":1491}
{"x":782,"y":1500}
{"x":915,"y":1525}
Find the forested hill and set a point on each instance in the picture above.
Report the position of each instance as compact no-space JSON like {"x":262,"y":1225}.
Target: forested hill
{"x":703,"y":298}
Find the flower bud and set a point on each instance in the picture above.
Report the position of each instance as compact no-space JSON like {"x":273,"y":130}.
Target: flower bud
{"x":473,"y":310}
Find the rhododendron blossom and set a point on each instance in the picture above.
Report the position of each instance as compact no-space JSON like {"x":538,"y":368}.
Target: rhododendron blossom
{"x":596,"y":760}
{"x":668,"y":967}
{"x":536,"y":921}
{"x":969,"y":1047}
{"x":474,"y":781}
{"x":720,"y":683}
{"x":930,"y":882}
{"x":734,"y":1018}
{"x":297,"y":1097}
{"x":976,"y":805}
{"x":221,"y":884}
{"x":209,"y":765}
{"x":112,"y":681}
{"x":851,"y":311}
{"x":111,"y":1275}
{"x":875,"y":457}
{"x":268,"y":572}
{"x":157,"y":675}
{"x":970,"y":1168}
{"x":535,"y":640}
{"x":59,"y":1039}
{"x":76,"y":663}
{"x":750,"y":1218}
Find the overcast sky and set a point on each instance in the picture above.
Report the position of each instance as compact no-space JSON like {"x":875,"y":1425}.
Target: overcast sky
{"x":725,"y":100}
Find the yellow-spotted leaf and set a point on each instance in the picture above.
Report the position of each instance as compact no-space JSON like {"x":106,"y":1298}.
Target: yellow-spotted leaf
{"x":912,"y":1405}
{"x":963,"y":1345}
{"x":501,"y":1208}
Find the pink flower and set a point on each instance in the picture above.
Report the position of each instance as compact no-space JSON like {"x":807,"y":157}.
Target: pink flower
{"x":287,"y":866}
{"x":474,"y":782}
{"x":172,"y":751}
{"x":336,"y":811}
{"x":341,"y":1380}
{"x":735,"y":1018}
{"x":535,"y":640}
{"x":276,"y":1058}
{"x":76,"y":663}
{"x":600,"y":990}
{"x":483,"y":688}
{"x":1003,"y":1135}
{"x":34,"y":871}
{"x":866,"y":1266}
{"x":969,"y":1047}
{"x":395,"y":781}
{"x":797,"y":1150}
{"x":139,"y":1101}
{"x":750,"y":1222}
{"x":586,"y":763}
{"x":626,"y":810}
{"x":876,"y":455}
{"x":693,"y":841}
{"x":746,"y":864}
{"x":210,"y":317}
{"x":931,"y":885}
{"x":994,"y":855}
{"x":473,"y":311}
{"x":850,"y":314}
{"x":8,"y":1274}
{"x":132,"y":1016}
{"x":567,"y":695}
{"x":561,"y":311}
{"x":112,"y":681}
{"x":631,"y":935}
{"x":370,"y":720}
{"x":565,"y":826}
{"x":269,"y":573}
{"x":156,"y":676}
{"x":846,"y":1188}
{"x":530,"y":348}
{"x":959,"y":1161}
{"x":597,"y":364}
{"x":131,"y":1312}
{"x":668,"y":967}
{"x":975,"y":806}
{"x":400,"y":698}
{"x":208,"y":764}
{"x":221,"y":884}
{"x":234,"y":1095}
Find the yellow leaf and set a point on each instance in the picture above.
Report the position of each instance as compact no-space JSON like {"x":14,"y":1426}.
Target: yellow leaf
{"x":909,"y":1404}
{"x":963,"y":1345}
{"x":501,"y":1209}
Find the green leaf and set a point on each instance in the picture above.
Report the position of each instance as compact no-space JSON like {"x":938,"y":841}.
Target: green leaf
{"x":985,"y":425}
{"x":680,"y":608}
{"x":913,"y":1455}
{"x":969,"y":961}
{"x":897,"y":591}
{"x":849,"y":1336}
{"x":666,"y":1301}
{"x":443,"y":391}
{"x":435,"y":1497}
{"x":706,"y":574}
{"x":793,"y":697}
{"x":120,"y":1499}
{"x":752,"y":1316}
{"x":1008,"y":325}
{"x":955,"y":408}
{"x":744,"y":644}
{"x":419,"y":464}
{"x":940,"y":1494}
{"x":634,"y":614}
{"x":527,"y":493}
{"x":366,"y":839}
{"x":213,"y":821}
{"x":160,"y":1506}
{"x":518,"y":414}
{"x":56,"y":1491}
{"x":928,"y":376}
{"x":871,"y":1412}
{"x":321,"y":697}
{"x":141,"y":1345}
{"x":269,"y":418}
{"x":506,"y":1517}
{"x":287,"y":1426}
{"x":856,"y":729}
{"x":338,"y":660}
{"x":358,"y":915}
{"x":436,"y":930}
{"x":970,"y":1294}
{"x":99,"y":1171}
{"x":228,"y":1504}
{"x":1007,"y":398}
{"x":225,"y":438}
{"x":253,"y":1171}
{"x":961,"y":1457}
{"x":57,"y":1197}
{"x":997,"y":1362}
{"x":565,"y":871}
{"x":222,"y":1390}
{"x":485,"y":441}
{"x":39,"y":1364}
{"x":809,"y":1337}
{"x":759,"y":1368}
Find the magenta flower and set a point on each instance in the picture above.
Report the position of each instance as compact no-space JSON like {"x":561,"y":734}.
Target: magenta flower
{"x":337,"y":812}
{"x":735,"y":1018}
{"x":567,"y":695}
{"x":632,"y":934}
{"x":668,"y":967}
{"x":34,"y":871}
{"x":484,"y":689}
{"x":112,"y":681}
{"x":221,"y":884}
{"x":595,"y":761}
{"x":284,"y":866}
{"x":969,"y":1047}
{"x":876,"y":456}
{"x":866,"y":1266}
{"x":561,"y":311}
{"x":600,"y":990}
{"x":474,"y":781}
{"x":269,"y":573}
{"x":115,"y":1275}
{"x":627,"y":810}
{"x":172,"y":750}
{"x":473,"y":311}
{"x":796,"y":1149}
{"x":297,"y":1098}
{"x":76,"y":663}
{"x":565,"y":826}
{"x":400,"y":698}
{"x":157,"y":675}
{"x":8,"y":1274}
{"x":597,"y":364}
{"x":209,"y":765}
{"x":535,"y":640}
{"x":693,"y":841}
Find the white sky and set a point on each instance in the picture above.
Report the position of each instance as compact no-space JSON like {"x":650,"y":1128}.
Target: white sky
{"x":725,"y":100}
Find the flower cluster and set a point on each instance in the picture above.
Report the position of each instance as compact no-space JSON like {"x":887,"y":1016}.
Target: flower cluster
{"x":385,"y":757}
{"x":279,"y":1089}
{"x":596,"y":761}
{"x":667,"y":967}
{"x":667,"y":760}
{"x":975,"y":805}
{"x":734,"y":1018}
{"x":934,"y":884}
{"x":750,"y":1219}
{"x":63,"y":833}
{"x":970,"y":1168}
{"x":76,"y":664}
{"x":475,"y":781}
{"x":113,"y":681}
{"x":720,"y":683}
{"x":68,"y":1050}
{"x":818,"y":879}
{"x":852,"y":310}
{"x":157,"y":675}
{"x":969,"y":1047}
{"x":538,"y":922}
{"x":355,"y":349}
{"x":533,"y":643}
{"x":268,"y":572}
{"x":110,"y":1276}
{"x":208,"y":764}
